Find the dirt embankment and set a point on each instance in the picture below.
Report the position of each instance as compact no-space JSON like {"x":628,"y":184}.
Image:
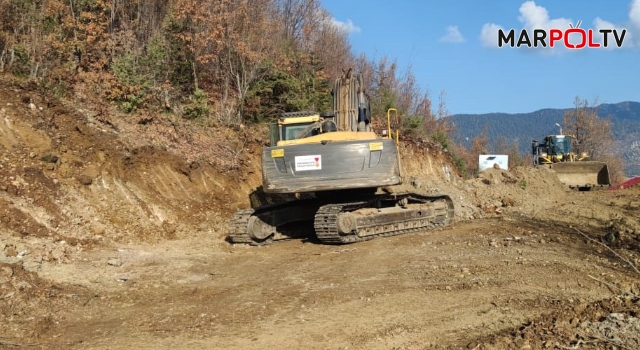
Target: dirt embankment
{"x":69,"y":176}
{"x":112,"y":236}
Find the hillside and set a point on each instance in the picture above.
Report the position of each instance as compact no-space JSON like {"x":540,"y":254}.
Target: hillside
{"x":524,"y":127}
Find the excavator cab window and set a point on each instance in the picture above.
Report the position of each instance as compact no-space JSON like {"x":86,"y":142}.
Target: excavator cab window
{"x":297,"y":131}
{"x":293,"y":131}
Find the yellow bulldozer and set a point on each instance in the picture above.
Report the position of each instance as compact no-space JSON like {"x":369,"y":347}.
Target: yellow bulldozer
{"x":338,"y":167}
{"x":574,"y":170}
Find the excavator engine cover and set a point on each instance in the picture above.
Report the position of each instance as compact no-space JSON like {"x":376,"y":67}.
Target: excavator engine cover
{"x":331,"y":165}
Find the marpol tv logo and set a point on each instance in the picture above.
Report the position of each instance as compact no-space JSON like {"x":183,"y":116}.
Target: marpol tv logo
{"x":571,"y":38}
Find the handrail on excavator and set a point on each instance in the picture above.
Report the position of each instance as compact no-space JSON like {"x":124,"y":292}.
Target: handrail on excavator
{"x":389,"y":122}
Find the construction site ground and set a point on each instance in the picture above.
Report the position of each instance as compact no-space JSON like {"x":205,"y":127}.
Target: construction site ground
{"x":112,"y":236}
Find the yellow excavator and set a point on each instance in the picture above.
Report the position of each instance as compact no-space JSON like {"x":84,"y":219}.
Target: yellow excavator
{"x":342,"y":166}
{"x":556,"y":152}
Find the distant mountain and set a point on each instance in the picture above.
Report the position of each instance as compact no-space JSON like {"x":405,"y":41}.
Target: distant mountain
{"x":524,"y":127}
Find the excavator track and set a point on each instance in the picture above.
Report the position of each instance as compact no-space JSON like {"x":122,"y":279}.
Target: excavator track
{"x":341,"y":223}
{"x":266,"y":224}
{"x":365,"y":220}
{"x":238,"y":229}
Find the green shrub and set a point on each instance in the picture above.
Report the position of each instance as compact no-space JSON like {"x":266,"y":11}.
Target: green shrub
{"x":442,"y":139}
{"x":131,"y":104}
{"x":198,"y":108}
{"x":413,"y":122}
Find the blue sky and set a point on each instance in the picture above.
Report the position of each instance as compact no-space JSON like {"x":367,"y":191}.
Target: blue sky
{"x":482,"y":78}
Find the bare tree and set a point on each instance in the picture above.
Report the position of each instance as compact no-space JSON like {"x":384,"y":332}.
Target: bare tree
{"x":501,"y":145}
{"x":329,"y":42}
{"x":299,"y":19}
{"x":247,"y":48}
{"x":479,"y":145}
{"x":591,"y":134}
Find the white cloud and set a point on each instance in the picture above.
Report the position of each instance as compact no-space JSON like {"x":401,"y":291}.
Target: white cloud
{"x":347,"y":26}
{"x":634,"y":19}
{"x":600,"y":23}
{"x":453,"y":35}
{"x":634,"y":13}
{"x":632,"y":26}
{"x":489,"y":34}
{"x":531,"y":16}
{"x":537,"y":17}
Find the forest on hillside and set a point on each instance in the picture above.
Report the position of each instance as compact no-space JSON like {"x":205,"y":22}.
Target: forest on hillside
{"x":224,"y":61}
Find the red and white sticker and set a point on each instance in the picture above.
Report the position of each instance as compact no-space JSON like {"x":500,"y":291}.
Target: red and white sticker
{"x":304,"y":163}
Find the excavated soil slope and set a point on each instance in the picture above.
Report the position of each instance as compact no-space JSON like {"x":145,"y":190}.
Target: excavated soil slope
{"x":112,"y":237}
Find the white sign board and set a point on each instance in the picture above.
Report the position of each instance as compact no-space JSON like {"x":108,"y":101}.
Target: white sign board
{"x":304,"y":163}
{"x":487,"y":161}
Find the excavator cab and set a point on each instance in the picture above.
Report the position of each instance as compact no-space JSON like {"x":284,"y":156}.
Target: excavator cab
{"x":294,"y":126}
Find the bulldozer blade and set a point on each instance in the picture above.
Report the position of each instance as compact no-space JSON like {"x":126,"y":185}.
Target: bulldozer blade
{"x":582,"y":175}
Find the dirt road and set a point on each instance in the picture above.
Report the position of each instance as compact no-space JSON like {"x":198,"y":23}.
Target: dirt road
{"x":456,"y":287}
{"x":112,"y":237}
